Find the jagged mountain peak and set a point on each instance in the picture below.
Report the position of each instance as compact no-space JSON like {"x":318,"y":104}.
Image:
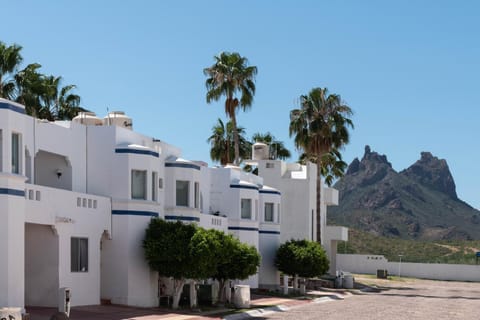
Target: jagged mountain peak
{"x":419,"y":202}
{"x":372,"y":156}
{"x":432,"y":172}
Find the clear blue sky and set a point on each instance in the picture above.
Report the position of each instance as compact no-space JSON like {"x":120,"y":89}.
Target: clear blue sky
{"x":409,"y":69}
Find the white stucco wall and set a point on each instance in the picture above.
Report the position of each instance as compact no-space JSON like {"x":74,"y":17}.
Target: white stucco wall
{"x":12,"y":231}
{"x":298,"y":197}
{"x":41,"y":265}
{"x":369,"y":264}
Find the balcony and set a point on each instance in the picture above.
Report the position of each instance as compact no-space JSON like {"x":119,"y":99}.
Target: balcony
{"x":45,"y":205}
{"x":330,"y":196}
{"x":337,"y":233}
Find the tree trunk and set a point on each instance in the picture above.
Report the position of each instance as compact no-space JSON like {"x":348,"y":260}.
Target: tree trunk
{"x":236,"y":140}
{"x":303,"y":286}
{"x":319,"y":191}
{"x":285,"y":284}
{"x":177,"y":292}
{"x":193,"y":294}
{"x":295,"y":283}
{"x":221,"y":291}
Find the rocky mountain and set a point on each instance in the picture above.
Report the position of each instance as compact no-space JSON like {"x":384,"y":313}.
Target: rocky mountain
{"x":419,"y":202}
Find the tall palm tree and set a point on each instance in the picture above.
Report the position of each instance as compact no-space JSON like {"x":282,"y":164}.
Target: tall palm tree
{"x":10,"y":60}
{"x":276,"y":147}
{"x":319,"y":126}
{"x":230,"y":76}
{"x":221,"y":142}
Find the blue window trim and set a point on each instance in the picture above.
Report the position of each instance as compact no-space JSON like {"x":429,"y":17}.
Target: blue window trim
{"x":270,"y":192}
{"x":12,"y":192}
{"x":240,"y":186}
{"x":182,"y":218}
{"x":134,"y":213}
{"x":243,"y":228}
{"x":8,"y":106}
{"x":182,"y":165}
{"x":136,"y":151}
{"x":268,"y":232}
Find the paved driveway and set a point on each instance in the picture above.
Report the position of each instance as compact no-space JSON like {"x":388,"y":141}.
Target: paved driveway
{"x":413,"y":299}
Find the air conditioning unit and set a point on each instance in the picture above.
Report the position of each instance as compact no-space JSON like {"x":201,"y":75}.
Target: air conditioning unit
{"x":260,"y":151}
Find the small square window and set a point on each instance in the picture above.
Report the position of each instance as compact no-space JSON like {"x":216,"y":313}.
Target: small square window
{"x":270,"y":165}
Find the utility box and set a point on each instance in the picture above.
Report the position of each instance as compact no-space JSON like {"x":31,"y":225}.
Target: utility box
{"x":382,"y":274}
{"x":64,"y":298}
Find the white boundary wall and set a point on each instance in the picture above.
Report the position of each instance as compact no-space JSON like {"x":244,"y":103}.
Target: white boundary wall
{"x":369,"y":264}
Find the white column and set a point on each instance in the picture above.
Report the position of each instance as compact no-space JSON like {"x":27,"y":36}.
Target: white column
{"x":12,"y":241}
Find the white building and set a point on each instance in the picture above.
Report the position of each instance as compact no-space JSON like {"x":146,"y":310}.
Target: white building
{"x":76,"y":197}
{"x":298,"y":184}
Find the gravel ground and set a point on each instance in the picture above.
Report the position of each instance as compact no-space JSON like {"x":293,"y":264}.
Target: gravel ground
{"x":404,"y":299}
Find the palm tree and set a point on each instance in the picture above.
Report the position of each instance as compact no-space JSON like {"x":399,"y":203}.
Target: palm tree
{"x":276,"y":147}
{"x":320,"y":126}
{"x":230,"y":76}
{"x":333,"y":167}
{"x":10,"y":60}
{"x":221,"y":142}
{"x":29,"y":85}
{"x":58,"y":102}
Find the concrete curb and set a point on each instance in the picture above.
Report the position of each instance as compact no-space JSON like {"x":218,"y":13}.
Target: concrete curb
{"x":279,"y":308}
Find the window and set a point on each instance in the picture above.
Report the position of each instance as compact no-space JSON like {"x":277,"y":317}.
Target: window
{"x":270,"y":165}
{"x":160,"y":183}
{"x":268,"y":212}
{"x":256,"y":210}
{"x":278,"y":213}
{"x":197,"y":192}
{"x":15,"y":153}
{"x":139,"y":184}
{"x":154,"y":186}
{"x":246,"y":208}
{"x":79,"y":254}
{"x":182,"y":193}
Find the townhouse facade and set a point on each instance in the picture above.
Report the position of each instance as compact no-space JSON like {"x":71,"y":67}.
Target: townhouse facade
{"x":76,"y":197}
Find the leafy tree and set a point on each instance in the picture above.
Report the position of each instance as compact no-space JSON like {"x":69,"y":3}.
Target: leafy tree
{"x":304,"y":258}
{"x":333,"y":167}
{"x":185,"y":251}
{"x":10,"y":60}
{"x":236,"y":260}
{"x":221,"y":143}
{"x":276,"y":148}
{"x":319,"y":126}
{"x":168,"y":250}
{"x":230,"y":76}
